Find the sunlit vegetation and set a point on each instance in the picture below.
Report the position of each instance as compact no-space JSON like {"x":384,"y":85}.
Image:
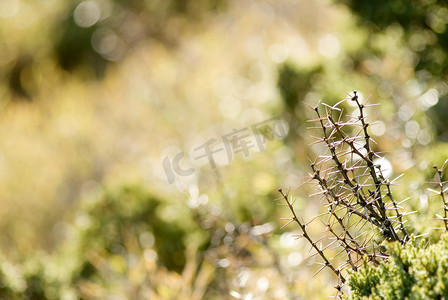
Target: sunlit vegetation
{"x":99,"y":97}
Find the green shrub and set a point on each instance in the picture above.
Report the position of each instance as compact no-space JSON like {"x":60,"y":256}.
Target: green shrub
{"x":411,"y":272}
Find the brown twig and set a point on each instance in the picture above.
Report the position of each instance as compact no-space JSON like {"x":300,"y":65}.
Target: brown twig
{"x":355,"y":191}
{"x":442,"y":193}
{"x":308,"y":237}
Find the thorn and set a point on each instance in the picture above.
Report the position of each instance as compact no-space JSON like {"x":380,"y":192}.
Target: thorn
{"x":289,"y":222}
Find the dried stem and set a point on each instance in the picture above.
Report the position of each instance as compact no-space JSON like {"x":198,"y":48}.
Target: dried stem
{"x":361,"y":210}
{"x":308,"y":238}
{"x":442,"y":194}
{"x":358,"y":197}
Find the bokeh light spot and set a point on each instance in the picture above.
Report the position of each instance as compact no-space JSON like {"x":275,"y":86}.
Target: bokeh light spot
{"x":86,"y":14}
{"x":428,"y":99}
{"x":278,"y":53}
{"x":9,"y":8}
{"x":329,"y":46}
{"x":378,"y":128}
{"x":412,"y":128}
{"x":385,"y":166}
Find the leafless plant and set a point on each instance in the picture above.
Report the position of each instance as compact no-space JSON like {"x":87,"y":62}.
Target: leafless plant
{"x":441,"y":192}
{"x":361,"y":211}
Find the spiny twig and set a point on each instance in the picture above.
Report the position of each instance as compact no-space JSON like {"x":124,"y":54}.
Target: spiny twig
{"x":361,"y":211}
{"x":355,"y":191}
{"x":308,"y":237}
{"x":441,"y":192}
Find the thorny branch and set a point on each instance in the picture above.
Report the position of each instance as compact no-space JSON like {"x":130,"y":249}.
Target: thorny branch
{"x":358,"y":196}
{"x":441,"y":192}
{"x":308,"y":238}
{"x":361,"y":210}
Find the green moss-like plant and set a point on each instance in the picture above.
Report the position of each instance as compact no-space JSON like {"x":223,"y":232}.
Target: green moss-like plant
{"x":415,"y":271}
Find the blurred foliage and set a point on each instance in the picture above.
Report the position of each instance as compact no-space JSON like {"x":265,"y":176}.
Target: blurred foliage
{"x":123,"y":235}
{"x":97,"y":33}
{"x":117,"y":219}
{"x":117,"y":239}
{"x":422,"y":28}
{"x":88,"y":36}
{"x":129,"y":244}
{"x":417,"y":271}
{"x":424,"y":24}
{"x":437,"y":114}
{"x":112,"y":87}
{"x":294,"y":84}
{"x":397,"y":42}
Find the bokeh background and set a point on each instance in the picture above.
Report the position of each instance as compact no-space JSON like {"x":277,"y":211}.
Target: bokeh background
{"x":95,"y":95}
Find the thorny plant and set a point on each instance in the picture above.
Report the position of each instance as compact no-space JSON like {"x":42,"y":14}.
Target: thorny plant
{"x":441,"y":192}
{"x":361,"y":210}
